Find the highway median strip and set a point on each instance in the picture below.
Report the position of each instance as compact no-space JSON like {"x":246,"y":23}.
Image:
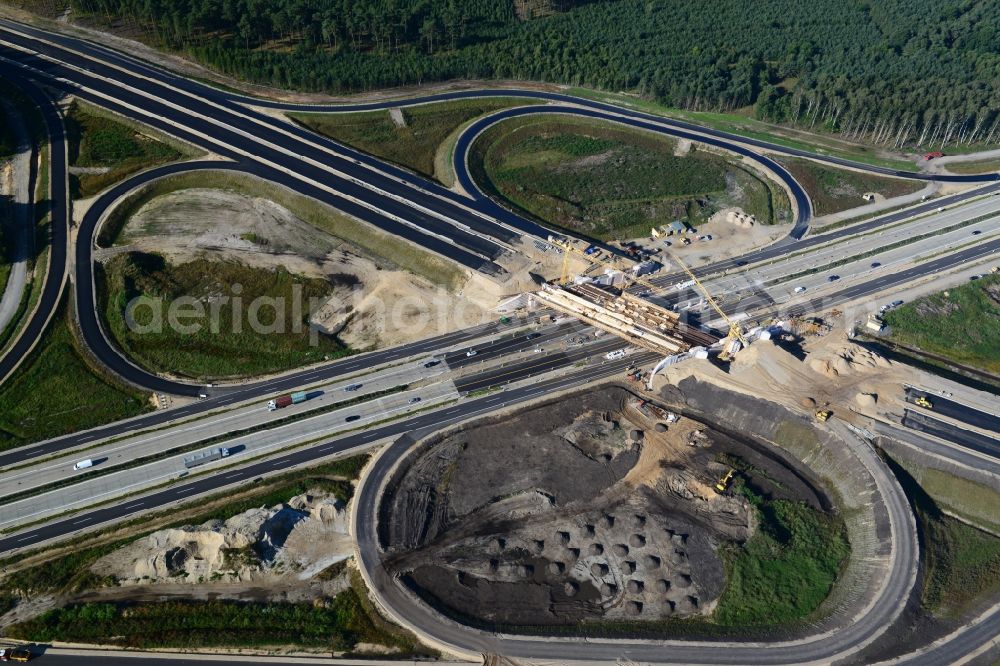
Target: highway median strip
{"x":176,"y":451}
{"x":879,"y":250}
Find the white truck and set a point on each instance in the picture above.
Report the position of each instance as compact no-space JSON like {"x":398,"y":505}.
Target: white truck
{"x":204,"y":457}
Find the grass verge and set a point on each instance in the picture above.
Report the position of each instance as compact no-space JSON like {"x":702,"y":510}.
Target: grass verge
{"x":57,"y":391}
{"x":751,"y":128}
{"x":384,"y":248}
{"x":834,"y":190}
{"x":961,"y":324}
{"x":412,"y":145}
{"x":610,"y":182}
{"x":961,"y":564}
{"x":223,"y":340}
{"x":983,"y":166}
{"x":109,"y":150}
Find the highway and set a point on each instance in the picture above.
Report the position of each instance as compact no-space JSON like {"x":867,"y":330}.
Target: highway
{"x":473,"y":232}
{"x":956,"y":410}
{"x":306,"y":455}
{"x":56,"y":274}
{"x":950,"y":432}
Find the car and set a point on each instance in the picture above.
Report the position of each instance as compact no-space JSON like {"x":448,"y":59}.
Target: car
{"x":833,"y":278}
{"x":741,"y":263}
{"x":876,"y":264}
{"x":532,"y":336}
{"x":353,"y":387}
{"x":471,"y":352}
{"x":414,"y":400}
{"x":431,"y":364}
{"x":352,"y":417}
{"x":975,"y":277}
{"x":799,"y":290}
{"x":895,"y":304}
{"x":21,"y":654}
{"x":539,"y":350}
{"x":977,"y":232}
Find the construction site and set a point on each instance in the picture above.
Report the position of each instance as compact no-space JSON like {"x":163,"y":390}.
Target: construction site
{"x":628,"y":524}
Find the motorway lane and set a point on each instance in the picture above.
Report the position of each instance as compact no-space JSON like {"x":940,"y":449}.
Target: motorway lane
{"x":956,"y":410}
{"x":387,"y":211}
{"x":952,"y":433}
{"x":273,"y":143}
{"x":58,"y":199}
{"x":310,"y":454}
{"x":225,"y":396}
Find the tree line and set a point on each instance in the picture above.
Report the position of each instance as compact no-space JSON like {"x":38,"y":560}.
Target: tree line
{"x":892,"y":72}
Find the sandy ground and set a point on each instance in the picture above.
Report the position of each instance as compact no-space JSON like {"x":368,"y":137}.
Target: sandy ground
{"x":729,"y":239}
{"x":383,"y":307}
{"x":827,"y":371}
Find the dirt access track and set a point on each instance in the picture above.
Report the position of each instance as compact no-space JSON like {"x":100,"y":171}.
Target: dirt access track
{"x":592,"y":506}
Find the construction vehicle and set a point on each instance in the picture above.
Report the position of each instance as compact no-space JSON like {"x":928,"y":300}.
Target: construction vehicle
{"x":735,"y":340}
{"x":723,"y":483}
{"x":823,"y":414}
{"x":922,"y":401}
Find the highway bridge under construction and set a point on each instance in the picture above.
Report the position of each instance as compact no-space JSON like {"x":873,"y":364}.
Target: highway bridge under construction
{"x":633,"y":319}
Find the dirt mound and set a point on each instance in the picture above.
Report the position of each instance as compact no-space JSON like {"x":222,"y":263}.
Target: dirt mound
{"x":306,"y":534}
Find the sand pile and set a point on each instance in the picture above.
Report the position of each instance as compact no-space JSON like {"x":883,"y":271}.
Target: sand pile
{"x":304,"y":535}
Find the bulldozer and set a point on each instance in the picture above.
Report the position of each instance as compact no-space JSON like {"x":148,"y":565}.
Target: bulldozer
{"x":922,"y":401}
{"x":823,"y":414}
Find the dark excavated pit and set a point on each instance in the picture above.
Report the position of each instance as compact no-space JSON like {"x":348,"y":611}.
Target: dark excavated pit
{"x":558,"y":515}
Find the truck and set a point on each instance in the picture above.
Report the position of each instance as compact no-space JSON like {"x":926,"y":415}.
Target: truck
{"x":204,"y":457}
{"x":285,"y":400}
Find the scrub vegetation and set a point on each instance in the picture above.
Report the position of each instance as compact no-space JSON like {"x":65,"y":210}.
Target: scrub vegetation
{"x":107,"y":151}
{"x":961,"y":324}
{"x":56,"y":391}
{"x":225,"y":343}
{"x":786,"y":569}
{"x":611,"y":183}
{"x":413,"y":145}
{"x":833,"y":190}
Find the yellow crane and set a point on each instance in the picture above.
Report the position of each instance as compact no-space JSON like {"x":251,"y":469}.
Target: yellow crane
{"x":567,"y":247}
{"x":735,"y":332}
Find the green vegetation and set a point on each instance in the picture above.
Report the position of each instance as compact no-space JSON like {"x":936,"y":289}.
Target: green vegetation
{"x":973,"y":502}
{"x":384,"y":248}
{"x":786,"y":569}
{"x":56,"y":391}
{"x":961,"y":563}
{"x":983,"y":166}
{"x":413,"y":145}
{"x":611,"y":182}
{"x":226,"y":336}
{"x":961,"y":324}
{"x":833,"y":190}
{"x":336,"y":624}
{"x":111,"y":150}
{"x":907,"y":72}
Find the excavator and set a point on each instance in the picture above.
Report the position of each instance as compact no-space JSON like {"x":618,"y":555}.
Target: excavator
{"x":723,"y":483}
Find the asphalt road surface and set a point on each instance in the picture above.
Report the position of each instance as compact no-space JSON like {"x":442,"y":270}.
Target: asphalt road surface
{"x":956,"y":410}
{"x":952,"y":433}
{"x":59,"y":225}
